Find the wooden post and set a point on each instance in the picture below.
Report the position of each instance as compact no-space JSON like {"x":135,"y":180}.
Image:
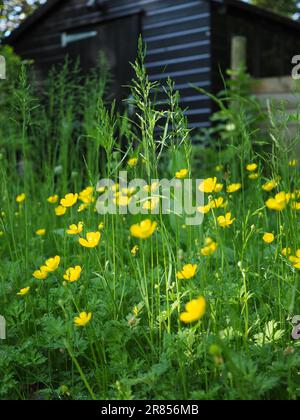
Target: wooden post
{"x":238,"y":52}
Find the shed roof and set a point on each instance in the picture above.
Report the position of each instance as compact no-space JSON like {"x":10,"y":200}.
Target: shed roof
{"x":46,"y":8}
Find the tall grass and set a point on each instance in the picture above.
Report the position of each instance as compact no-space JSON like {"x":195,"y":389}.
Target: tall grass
{"x":135,"y":345}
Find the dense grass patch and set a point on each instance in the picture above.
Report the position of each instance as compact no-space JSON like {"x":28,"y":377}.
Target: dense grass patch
{"x":115,"y":325}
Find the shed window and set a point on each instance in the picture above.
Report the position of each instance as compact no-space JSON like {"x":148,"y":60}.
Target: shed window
{"x":67,"y":39}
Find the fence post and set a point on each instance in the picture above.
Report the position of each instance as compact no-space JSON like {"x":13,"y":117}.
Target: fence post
{"x":2,"y":328}
{"x":238,"y":52}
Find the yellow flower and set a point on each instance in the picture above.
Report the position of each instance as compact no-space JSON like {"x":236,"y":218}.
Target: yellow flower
{"x":101,"y":190}
{"x":24,"y":291}
{"x":269,"y":186}
{"x":209,"y":248}
{"x":218,"y":188}
{"x":40,"y":274}
{"x":53,"y":199}
{"x":20,"y":198}
{"x":233,"y":188}
{"x":195,"y":310}
{"x":69,"y":200}
{"x":219,"y":168}
{"x":86,"y":196}
{"x":182,"y":173}
{"x":279,"y":202}
{"x":101,"y":226}
{"x":295,"y":259}
{"x":286,"y":251}
{"x":208,"y":185}
{"x":122,"y":200}
{"x":133,"y":162}
{"x":293,"y":163}
{"x":136,"y":311}
{"x":51,"y":264}
{"x":225,"y":221}
{"x":73,"y":274}
{"x":217,"y":203}
{"x":75,"y":229}
{"x":151,"y":204}
{"x":143,"y":230}
{"x":60,"y":211}
{"x":82,"y":207}
{"x":40,"y":232}
{"x":151,"y":188}
{"x":134,"y":250}
{"x":188,"y":272}
{"x":251,"y":167}
{"x":204,"y":209}
{"x":91,"y":241}
{"x":268,"y":238}
{"x":83,"y":319}
{"x":296,"y":206}
{"x":253,"y":176}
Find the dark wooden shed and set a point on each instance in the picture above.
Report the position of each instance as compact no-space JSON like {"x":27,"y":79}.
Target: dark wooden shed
{"x":189,"y":40}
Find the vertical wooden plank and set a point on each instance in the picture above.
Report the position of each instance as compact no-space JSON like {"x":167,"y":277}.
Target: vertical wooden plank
{"x":238,"y":52}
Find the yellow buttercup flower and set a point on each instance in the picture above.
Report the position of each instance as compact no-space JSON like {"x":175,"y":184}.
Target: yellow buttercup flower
{"x":268,"y":238}
{"x":24,"y":291}
{"x":182,"y":173}
{"x":41,"y":232}
{"x":60,"y":211}
{"x":73,"y":274}
{"x":188,"y":272}
{"x":293,"y":163}
{"x":151,"y":204}
{"x":82,"y":207}
{"x":208,"y":185}
{"x":75,"y":229}
{"x":83,"y":319}
{"x":101,"y":226}
{"x":92,"y":240}
{"x":269,"y":186}
{"x":209,"y":248}
{"x":218,"y":188}
{"x":286,"y":251}
{"x":134,"y":250}
{"x":225,"y":221}
{"x":251,"y":167}
{"x":101,"y":190}
{"x":40,"y":274}
{"x":86,"y":196}
{"x":53,"y":199}
{"x":204,"y":209}
{"x":69,"y":201}
{"x":253,"y":176}
{"x":20,"y":198}
{"x":133,"y":162}
{"x":232,"y":188}
{"x":295,"y":259}
{"x":143,"y":230}
{"x":51,"y":264}
{"x":217,"y":203}
{"x":195,"y":310}
{"x":151,"y":188}
{"x":279,"y":202}
{"x":122,"y":200}
{"x":296,"y":206}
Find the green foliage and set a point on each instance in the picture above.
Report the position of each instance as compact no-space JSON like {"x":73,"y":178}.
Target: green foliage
{"x":135,"y":346}
{"x":285,"y":7}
